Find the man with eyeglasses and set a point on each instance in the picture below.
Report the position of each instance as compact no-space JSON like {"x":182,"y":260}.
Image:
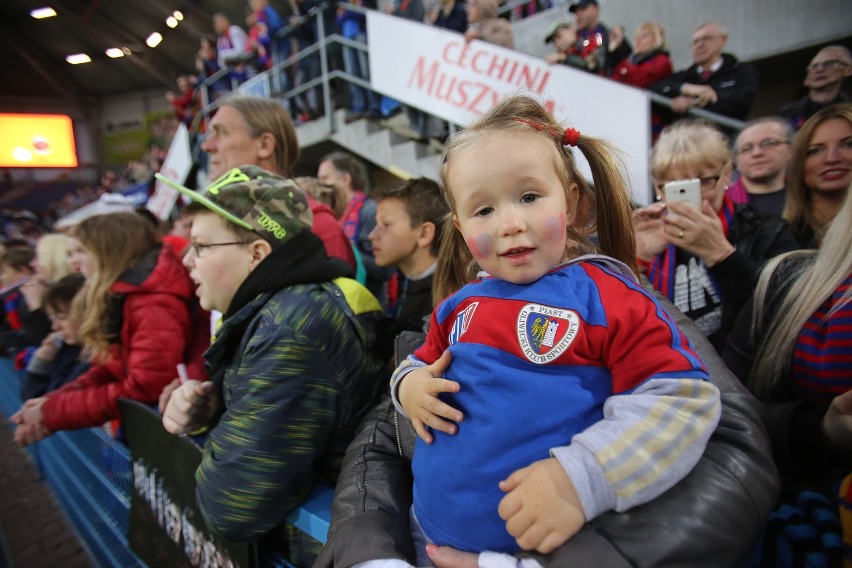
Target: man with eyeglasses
{"x":762,"y":152}
{"x":716,"y":81}
{"x":824,"y":81}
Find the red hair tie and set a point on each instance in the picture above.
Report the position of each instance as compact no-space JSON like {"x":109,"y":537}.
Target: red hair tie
{"x":569,"y":138}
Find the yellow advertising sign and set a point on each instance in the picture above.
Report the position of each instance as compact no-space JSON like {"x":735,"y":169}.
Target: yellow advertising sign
{"x":37,"y":141}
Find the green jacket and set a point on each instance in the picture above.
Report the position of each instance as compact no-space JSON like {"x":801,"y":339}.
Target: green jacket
{"x":297,"y":373}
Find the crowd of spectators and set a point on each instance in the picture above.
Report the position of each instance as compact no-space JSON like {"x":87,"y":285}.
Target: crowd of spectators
{"x":312,"y":282}
{"x":716,"y":81}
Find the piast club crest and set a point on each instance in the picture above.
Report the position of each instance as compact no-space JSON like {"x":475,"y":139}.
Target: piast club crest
{"x":545,"y":332}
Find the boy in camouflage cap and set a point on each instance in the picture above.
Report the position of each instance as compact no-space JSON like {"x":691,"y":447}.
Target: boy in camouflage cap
{"x":292,"y":368}
{"x":255,"y":200}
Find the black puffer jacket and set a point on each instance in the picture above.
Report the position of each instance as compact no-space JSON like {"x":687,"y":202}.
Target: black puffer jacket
{"x":711,"y":518}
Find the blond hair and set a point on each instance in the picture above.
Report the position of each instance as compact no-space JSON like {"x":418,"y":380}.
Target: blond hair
{"x":812,"y":284}
{"x":52,"y":255}
{"x":657,"y":30}
{"x":688,"y":145}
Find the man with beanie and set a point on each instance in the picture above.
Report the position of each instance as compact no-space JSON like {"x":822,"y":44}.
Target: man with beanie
{"x":292,"y":367}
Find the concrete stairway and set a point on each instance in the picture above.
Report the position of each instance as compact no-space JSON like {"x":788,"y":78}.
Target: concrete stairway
{"x":389,"y":143}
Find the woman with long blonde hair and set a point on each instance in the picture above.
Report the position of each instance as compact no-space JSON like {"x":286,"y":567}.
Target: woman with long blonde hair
{"x":135,"y":311}
{"x":794,"y":352}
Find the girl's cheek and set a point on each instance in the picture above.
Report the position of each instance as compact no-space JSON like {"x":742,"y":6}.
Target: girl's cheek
{"x":555,"y":227}
{"x":481,"y":245}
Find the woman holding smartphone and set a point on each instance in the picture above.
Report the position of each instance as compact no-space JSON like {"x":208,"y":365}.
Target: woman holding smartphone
{"x":705,"y":260}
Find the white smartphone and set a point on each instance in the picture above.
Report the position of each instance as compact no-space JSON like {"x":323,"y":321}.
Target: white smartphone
{"x":684,"y":191}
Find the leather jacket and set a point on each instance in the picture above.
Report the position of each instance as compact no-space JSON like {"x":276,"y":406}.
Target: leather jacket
{"x":711,"y":518}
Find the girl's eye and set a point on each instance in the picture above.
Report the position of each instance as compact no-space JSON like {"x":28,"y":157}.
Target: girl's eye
{"x":814,"y":150}
{"x":529,"y":197}
{"x":484,"y":211}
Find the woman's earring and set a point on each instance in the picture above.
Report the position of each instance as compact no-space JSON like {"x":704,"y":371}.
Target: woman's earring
{"x":725,"y":188}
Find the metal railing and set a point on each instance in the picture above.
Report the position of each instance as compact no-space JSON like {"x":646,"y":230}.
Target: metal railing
{"x":322,"y":46}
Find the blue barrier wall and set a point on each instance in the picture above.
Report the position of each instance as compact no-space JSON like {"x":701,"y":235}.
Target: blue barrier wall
{"x":91,"y":475}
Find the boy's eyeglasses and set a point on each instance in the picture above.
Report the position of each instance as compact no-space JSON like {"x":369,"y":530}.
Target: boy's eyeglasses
{"x":198,"y":247}
{"x":765,"y":144}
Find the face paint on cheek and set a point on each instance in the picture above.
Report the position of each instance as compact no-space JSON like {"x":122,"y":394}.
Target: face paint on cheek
{"x":555,"y":227}
{"x":481,"y":245}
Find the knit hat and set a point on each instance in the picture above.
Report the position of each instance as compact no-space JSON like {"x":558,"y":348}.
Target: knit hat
{"x":257,"y":200}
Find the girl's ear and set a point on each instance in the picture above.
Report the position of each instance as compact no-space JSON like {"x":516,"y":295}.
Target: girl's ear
{"x":456,"y":222}
{"x":260,"y":249}
{"x":572,"y":198}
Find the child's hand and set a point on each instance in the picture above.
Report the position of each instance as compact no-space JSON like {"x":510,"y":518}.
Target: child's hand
{"x":191,"y":406}
{"x":542,"y":509}
{"x":49,"y":347}
{"x":418,"y":395}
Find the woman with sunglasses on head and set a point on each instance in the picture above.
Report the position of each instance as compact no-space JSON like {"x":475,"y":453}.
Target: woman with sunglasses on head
{"x":705,"y":261}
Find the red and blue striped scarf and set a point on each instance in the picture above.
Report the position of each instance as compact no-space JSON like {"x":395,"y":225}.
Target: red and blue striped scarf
{"x":351,"y":218}
{"x":737,"y":192}
{"x":661,"y":273}
{"x":822,"y":356}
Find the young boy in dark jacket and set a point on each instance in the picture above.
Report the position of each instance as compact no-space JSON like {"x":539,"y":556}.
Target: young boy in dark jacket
{"x":407,"y":235}
{"x":292,"y":367}
{"x":57,"y":361}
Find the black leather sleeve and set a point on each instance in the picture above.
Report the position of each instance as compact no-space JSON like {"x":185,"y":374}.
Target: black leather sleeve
{"x":714,"y":515}
{"x":373,"y":493}
{"x":372,"y":497}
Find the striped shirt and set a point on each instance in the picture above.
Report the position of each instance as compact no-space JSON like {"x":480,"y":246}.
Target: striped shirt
{"x":822,"y":357}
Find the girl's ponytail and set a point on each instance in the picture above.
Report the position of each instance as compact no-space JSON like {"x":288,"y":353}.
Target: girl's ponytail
{"x":612,"y":204}
{"x":455,"y":267}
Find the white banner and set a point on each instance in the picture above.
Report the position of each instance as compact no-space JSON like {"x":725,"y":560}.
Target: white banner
{"x":176,"y":167}
{"x":435,"y":70}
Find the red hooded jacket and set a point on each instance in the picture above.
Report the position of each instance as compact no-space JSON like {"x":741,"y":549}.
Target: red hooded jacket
{"x":158,"y":331}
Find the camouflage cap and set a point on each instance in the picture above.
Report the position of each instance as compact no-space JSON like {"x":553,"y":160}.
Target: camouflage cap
{"x":257,"y":200}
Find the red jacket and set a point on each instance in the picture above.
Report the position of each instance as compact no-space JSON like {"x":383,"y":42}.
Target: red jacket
{"x":647,"y":70}
{"x":328,"y":229}
{"x":157,"y":333}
